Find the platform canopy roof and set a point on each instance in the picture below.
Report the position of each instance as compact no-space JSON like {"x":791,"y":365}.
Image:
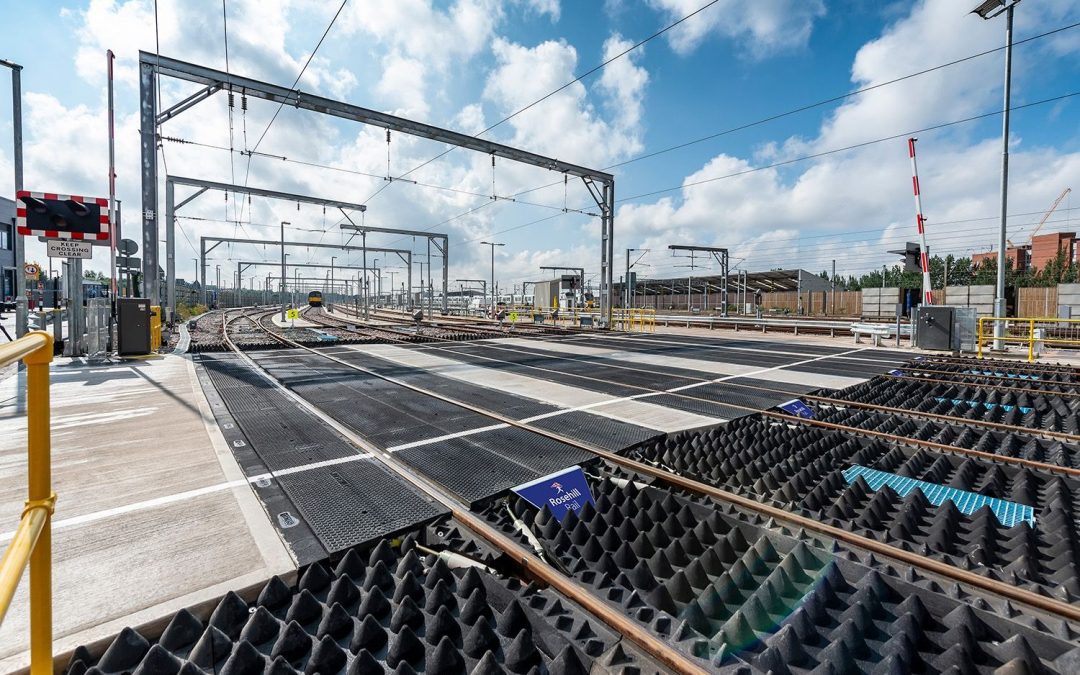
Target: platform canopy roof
{"x":772,"y":280}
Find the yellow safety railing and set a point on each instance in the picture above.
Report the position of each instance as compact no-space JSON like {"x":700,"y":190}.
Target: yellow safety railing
{"x":32,"y":543}
{"x":1027,"y":331}
{"x":636,"y":319}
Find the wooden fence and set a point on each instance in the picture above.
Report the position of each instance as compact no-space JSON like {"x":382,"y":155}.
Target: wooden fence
{"x":1037,"y":302}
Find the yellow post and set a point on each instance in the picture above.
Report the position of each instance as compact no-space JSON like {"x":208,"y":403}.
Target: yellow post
{"x":1031,"y":341}
{"x":40,"y":495}
{"x":978,"y":335}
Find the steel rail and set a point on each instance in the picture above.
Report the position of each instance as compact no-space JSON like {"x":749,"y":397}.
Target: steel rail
{"x":530,"y":564}
{"x":992,"y":376}
{"x":1032,"y":599}
{"x":991,"y":387}
{"x":1057,"y":368}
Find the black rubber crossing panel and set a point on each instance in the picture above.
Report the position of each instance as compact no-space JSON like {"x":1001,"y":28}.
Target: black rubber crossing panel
{"x":693,"y":405}
{"x":483,"y":465}
{"x":473,"y":466}
{"x":842,"y":368}
{"x":351,"y":503}
{"x":385,"y":413}
{"x":595,"y":366}
{"x":740,"y":396}
{"x":787,"y":387}
{"x":606,"y":433}
{"x":344,"y":504}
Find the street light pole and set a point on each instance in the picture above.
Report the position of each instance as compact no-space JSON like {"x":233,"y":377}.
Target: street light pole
{"x":284,"y":274}
{"x":17,"y":241}
{"x":331,"y":290}
{"x":988,"y":10}
{"x":491,"y":305}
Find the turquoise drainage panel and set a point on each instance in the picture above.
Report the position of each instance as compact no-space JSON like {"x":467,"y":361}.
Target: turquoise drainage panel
{"x":1007,"y":408}
{"x":1018,"y":376}
{"x":1008,"y":513}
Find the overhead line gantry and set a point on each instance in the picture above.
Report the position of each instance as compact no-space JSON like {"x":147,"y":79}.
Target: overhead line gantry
{"x":600,"y":184}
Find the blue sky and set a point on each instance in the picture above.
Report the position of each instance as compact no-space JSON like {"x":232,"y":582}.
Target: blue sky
{"x":465,"y":64}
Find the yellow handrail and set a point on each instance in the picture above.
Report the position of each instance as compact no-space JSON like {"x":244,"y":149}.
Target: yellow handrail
{"x":33,"y":539}
{"x":1053,"y":326}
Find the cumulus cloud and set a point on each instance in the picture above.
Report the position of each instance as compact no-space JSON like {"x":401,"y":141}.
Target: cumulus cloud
{"x":566,"y":125}
{"x":761,"y":28}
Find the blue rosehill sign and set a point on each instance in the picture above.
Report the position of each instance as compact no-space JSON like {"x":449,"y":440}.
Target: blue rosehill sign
{"x":560,"y":492}
{"x":797,"y":407}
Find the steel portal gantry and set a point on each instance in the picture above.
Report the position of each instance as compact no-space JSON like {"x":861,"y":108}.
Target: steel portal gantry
{"x":432,"y":238}
{"x":403,"y":253}
{"x":600,"y":184}
{"x":721,"y":256}
{"x":204,"y":185}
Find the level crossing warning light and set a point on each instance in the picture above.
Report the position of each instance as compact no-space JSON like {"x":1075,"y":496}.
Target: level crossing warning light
{"x":912,"y":253}
{"x":56,"y":216}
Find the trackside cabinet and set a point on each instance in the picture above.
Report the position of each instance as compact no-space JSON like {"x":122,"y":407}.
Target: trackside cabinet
{"x":935,"y":328}
{"x":132,"y":326}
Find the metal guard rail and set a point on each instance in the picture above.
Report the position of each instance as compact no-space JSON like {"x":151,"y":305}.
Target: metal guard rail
{"x":32,"y":543}
{"x":1022,"y":331}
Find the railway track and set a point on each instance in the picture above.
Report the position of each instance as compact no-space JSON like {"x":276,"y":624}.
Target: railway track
{"x":697,"y":577}
{"x":528,"y":562}
{"x":685,"y":395}
{"x":927,"y":564}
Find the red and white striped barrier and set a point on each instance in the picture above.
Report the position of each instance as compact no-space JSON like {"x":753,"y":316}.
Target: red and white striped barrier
{"x":20,"y":217}
{"x":924,"y":259}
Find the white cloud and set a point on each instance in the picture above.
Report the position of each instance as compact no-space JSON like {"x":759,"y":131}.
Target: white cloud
{"x":761,"y":28}
{"x":551,"y":8}
{"x":402,"y":85}
{"x":565,"y":125}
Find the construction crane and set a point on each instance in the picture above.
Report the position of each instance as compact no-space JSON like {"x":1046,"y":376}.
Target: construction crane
{"x":1046,"y":216}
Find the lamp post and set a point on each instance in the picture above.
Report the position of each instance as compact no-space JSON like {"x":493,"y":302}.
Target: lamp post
{"x":491,"y":305}
{"x":283,"y":272}
{"x":17,"y":243}
{"x":332,"y":259}
{"x":988,"y":9}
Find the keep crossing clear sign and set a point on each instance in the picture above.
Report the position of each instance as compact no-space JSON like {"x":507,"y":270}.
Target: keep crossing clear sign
{"x":66,"y":248}
{"x":560,"y":492}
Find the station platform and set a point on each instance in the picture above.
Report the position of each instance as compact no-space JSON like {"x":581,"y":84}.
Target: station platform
{"x":153,"y":514}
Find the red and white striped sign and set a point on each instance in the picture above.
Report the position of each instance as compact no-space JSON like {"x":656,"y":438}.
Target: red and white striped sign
{"x":924,"y":259}
{"x":20,"y":217}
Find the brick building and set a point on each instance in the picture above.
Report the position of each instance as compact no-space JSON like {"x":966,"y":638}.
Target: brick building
{"x":1042,"y":249}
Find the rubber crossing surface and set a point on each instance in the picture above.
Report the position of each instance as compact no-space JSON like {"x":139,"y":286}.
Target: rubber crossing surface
{"x":468,"y":453}
{"x":351,"y":501}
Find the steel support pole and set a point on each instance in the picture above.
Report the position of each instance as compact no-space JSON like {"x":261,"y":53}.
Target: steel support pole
{"x":430,"y":287}
{"x":19,"y":246}
{"x":109,"y":59}
{"x":148,"y":142}
{"x":626,"y":285}
{"x":284,"y":271}
{"x":999,"y":300}
{"x":363,"y":244}
{"x":607,"y":251}
{"x":170,"y":254}
{"x":445,"y":276}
